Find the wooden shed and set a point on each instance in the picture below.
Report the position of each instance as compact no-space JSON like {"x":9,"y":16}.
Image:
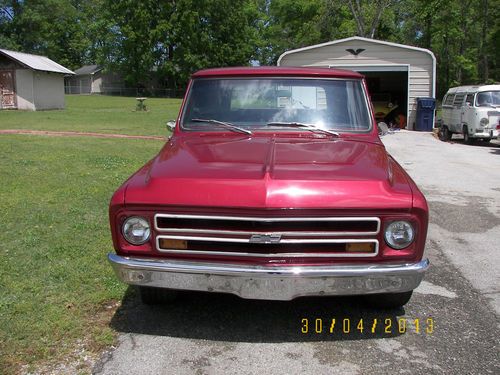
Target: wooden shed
{"x":402,"y":73}
{"x":30,"y":82}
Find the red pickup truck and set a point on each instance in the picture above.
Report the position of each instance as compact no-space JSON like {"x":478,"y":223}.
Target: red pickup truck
{"x":274,"y":185}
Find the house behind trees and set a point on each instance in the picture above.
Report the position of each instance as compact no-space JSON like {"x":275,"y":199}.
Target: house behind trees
{"x":92,"y":79}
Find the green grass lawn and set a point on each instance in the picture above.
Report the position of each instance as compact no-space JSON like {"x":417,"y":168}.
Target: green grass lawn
{"x":55,"y":282}
{"x":96,"y":113}
{"x":54,"y":277}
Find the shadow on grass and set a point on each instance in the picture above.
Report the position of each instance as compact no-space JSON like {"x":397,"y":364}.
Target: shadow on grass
{"x":224,"y":317}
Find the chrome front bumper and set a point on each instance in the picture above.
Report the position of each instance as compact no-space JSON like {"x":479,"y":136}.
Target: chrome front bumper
{"x":486,"y":133}
{"x":270,"y":282}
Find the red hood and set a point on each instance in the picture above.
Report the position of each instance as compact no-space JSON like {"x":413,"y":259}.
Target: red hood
{"x":271,"y":172}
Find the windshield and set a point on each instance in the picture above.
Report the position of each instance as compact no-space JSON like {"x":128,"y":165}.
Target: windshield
{"x":260,"y":103}
{"x":488,"y":98}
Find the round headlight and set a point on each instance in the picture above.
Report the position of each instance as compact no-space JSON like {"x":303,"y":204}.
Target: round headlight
{"x":399,"y":234}
{"x":136,"y":230}
{"x":484,"y":121}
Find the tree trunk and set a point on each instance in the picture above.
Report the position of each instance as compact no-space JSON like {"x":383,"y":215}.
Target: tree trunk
{"x":428,"y":31}
{"x":483,"y":55}
{"x":355,"y":7}
{"x":376,"y":21}
{"x":446,"y":61}
{"x":359,"y":10}
{"x":466,"y":6}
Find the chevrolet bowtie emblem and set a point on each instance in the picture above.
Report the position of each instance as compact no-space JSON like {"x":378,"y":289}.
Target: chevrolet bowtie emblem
{"x":265,"y":238}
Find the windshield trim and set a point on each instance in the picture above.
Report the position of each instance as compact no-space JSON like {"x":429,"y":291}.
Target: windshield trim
{"x":258,"y":129}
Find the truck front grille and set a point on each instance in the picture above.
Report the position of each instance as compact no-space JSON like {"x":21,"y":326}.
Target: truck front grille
{"x":267,"y":237}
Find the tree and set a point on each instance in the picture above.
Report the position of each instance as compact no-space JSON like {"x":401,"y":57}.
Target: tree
{"x":159,"y":43}
{"x":212,"y":33}
{"x":6,"y":19}
{"x":50,"y":27}
{"x":289,"y":24}
{"x":368,"y":15}
{"x":151,"y":40}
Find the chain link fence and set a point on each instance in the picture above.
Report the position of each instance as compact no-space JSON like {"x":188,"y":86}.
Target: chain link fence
{"x":126,"y":91}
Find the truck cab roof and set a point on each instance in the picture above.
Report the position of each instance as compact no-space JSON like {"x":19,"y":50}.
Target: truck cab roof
{"x":277,"y":71}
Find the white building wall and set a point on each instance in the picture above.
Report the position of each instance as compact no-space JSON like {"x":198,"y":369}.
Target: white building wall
{"x":96,"y":83}
{"x":421,"y":64}
{"x":24,"y":89}
{"x":48,"y":90}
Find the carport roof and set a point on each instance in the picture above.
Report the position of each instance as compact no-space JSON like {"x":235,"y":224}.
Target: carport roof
{"x":353,"y":38}
{"x":36,"y":62}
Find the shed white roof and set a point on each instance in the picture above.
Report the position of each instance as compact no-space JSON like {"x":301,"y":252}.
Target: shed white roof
{"x":36,"y":62}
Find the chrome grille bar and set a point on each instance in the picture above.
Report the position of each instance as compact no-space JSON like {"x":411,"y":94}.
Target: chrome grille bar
{"x":221,"y":234}
{"x":310,"y":233}
{"x":247,"y":240}
{"x":270,"y":255}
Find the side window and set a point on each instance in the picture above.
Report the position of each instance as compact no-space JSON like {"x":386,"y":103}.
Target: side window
{"x":449,"y":99}
{"x":470,"y":99}
{"x":459,"y":98}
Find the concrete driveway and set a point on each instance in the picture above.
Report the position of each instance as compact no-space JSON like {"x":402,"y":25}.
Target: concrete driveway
{"x":452,"y":321}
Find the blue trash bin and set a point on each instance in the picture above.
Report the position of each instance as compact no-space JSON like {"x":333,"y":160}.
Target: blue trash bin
{"x":425,"y":114}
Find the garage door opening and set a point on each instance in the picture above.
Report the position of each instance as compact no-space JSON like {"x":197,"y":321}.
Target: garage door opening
{"x":388,"y":88}
{"x":389,"y":95}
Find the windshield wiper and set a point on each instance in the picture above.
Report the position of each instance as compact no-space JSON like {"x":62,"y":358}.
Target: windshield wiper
{"x":223,"y":124}
{"x":310,"y":127}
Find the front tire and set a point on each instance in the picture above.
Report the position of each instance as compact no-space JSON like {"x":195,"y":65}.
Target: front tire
{"x":467,"y":139}
{"x":388,"y":300}
{"x":156,"y":296}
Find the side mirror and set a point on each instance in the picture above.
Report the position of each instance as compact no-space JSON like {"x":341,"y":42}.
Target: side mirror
{"x":171,"y":125}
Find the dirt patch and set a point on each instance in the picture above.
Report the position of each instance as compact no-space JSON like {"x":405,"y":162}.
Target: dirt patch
{"x":79,"y":134}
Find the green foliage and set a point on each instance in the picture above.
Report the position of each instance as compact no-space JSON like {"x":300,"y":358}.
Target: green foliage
{"x":165,"y":42}
{"x":54,"y":279}
{"x":49,"y":27}
{"x":212,"y":33}
{"x":460,"y":33}
{"x":160,"y":43}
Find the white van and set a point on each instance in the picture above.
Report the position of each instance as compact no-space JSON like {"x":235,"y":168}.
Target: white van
{"x":473,"y":111}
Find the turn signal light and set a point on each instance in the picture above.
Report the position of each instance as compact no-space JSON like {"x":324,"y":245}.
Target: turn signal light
{"x":166,"y":243}
{"x":360,"y":247}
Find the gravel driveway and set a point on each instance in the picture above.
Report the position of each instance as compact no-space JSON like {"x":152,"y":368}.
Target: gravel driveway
{"x":452,"y":321}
